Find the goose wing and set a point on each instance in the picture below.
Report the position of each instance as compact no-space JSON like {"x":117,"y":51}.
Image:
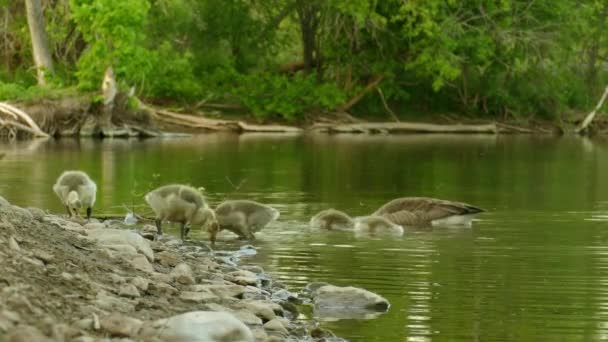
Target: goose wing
{"x":412,"y":211}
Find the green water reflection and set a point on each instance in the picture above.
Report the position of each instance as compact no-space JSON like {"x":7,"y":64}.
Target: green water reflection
{"x":535,"y":267}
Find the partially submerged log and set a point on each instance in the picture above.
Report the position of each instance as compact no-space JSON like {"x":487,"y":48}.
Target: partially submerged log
{"x":405,"y":127}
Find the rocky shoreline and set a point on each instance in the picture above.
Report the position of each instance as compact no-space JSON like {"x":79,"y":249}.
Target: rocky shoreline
{"x":65,"y":280}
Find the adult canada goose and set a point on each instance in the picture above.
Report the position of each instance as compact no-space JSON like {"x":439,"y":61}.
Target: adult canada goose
{"x":244,"y":217}
{"x":181,"y":204}
{"x":332,"y":219}
{"x":424,"y":211}
{"x":76,"y":190}
{"x":376,"y":225}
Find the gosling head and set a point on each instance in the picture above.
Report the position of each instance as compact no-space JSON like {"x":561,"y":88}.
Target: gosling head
{"x":206,"y":218}
{"x":73,"y":200}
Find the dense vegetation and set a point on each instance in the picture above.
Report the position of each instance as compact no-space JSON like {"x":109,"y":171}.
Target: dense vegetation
{"x":296,"y":58}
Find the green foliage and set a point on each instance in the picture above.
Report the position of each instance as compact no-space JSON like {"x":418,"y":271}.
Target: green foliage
{"x":269,"y":95}
{"x":494,"y":59}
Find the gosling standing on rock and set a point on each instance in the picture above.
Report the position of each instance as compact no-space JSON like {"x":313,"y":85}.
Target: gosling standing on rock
{"x":424,"y":211}
{"x":244,"y":217}
{"x":183,"y":204}
{"x":76,"y":190}
{"x":332,"y":219}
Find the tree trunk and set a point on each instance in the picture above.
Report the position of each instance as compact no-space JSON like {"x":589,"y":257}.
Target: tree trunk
{"x":307,"y":13}
{"x":40,"y":42}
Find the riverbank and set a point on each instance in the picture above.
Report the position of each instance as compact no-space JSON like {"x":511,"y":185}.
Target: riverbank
{"x":67,"y":281}
{"x":72,"y":116}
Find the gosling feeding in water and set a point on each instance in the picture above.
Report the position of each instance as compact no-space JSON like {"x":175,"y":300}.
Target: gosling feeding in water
{"x":244,"y":217}
{"x":376,"y":225}
{"x":332,"y":219}
{"x":181,"y":204}
{"x":76,"y":190}
{"x":424,"y":211}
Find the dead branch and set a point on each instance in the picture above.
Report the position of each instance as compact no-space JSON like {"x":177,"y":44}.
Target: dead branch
{"x":583,"y":126}
{"x":386,"y":107}
{"x":17,"y":113}
{"x":345,"y":107}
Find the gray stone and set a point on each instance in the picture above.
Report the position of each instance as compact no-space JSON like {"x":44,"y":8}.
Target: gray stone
{"x":44,"y":256}
{"x":264,"y":310}
{"x":37,"y":213}
{"x":247,"y":317}
{"x":26,"y":333}
{"x":162,"y":289}
{"x":64,"y":224}
{"x":141,"y":263}
{"x":24,"y":213}
{"x":222,"y":291}
{"x":13,"y":244}
{"x":203,"y":326}
{"x":111,"y":237}
{"x":276,"y":326}
{"x":121,"y":326}
{"x":129,"y":290}
{"x":182,"y":274}
{"x":94,"y":225}
{"x":168,"y":259}
{"x":198,"y":297}
{"x":347,"y":302}
{"x":117,"y":279}
{"x":140,"y":283}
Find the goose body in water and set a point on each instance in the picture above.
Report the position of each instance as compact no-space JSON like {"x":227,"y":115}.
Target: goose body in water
{"x":424,"y":211}
{"x":244,"y":217}
{"x":332,"y":219}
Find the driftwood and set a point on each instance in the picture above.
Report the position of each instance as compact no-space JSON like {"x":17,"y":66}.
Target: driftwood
{"x":405,"y":127}
{"x":348,"y":105}
{"x":583,"y":126}
{"x":216,"y":124}
{"x":17,"y":114}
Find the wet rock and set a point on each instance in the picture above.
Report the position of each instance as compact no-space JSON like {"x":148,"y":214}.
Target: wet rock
{"x":26,"y":333}
{"x":111,"y":237}
{"x":121,"y":326}
{"x":129,"y":290}
{"x":203,"y":326}
{"x":168,"y":259}
{"x":243,"y":277}
{"x":283,"y":295}
{"x":141,"y":263}
{"x":182,"y":274}
{"x":264,"y":310}
{"x":198,"y":297}
{"x":346,"y":302}
{"x":140,"y":283}
{"x":276,"y":325}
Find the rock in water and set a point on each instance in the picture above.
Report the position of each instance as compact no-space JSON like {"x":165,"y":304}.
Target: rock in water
{"x":347,"y":302}
{"x":203,"y":326}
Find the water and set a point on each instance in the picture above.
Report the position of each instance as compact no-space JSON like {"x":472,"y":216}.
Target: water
{"x":535,"y":267}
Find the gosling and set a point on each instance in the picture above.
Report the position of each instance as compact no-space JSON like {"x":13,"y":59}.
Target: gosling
{"x":332,"y":219}
{"x":244,"y":217}
{"x":181,"y":204}
{"x":376,"y":225}
{"x":76,"y":190}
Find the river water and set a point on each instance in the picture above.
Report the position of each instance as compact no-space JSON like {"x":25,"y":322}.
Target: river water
{"x":534,"y":267}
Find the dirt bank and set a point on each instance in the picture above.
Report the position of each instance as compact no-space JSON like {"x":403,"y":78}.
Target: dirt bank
{"x":61,"y":280}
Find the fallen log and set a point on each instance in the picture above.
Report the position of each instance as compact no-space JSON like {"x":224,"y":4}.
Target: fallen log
{"x":405,"y":127}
